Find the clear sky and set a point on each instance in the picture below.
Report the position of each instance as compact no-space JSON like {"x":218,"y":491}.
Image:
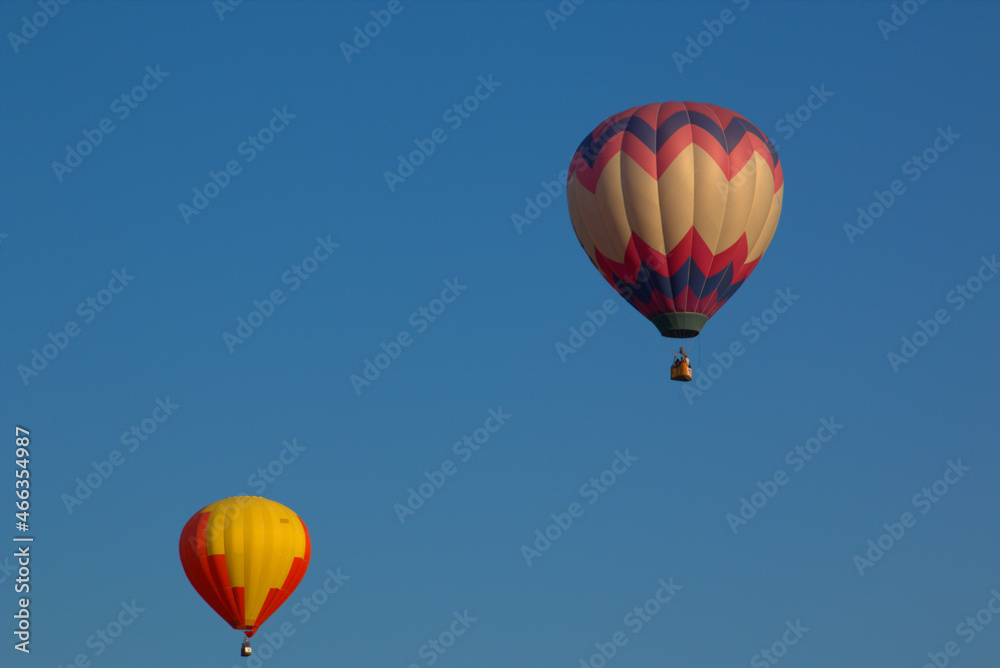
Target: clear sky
{"x":214,"y":157}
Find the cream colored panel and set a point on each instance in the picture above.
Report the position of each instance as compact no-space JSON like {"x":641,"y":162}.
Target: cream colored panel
{"x":611,"y":205}
{"x":593,"y":225}
{"x":739,"y":205}
{"x":764,"y":194}
{"x":766,"y":234}
{"x":573,"y":189}
{"x":676,"y":203}
{"x":642,"y":202}
{"x":711,"y":194}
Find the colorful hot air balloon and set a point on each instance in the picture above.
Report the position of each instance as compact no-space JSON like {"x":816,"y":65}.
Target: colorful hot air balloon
{"x":675,"y":203}
{"x":245,"y":555}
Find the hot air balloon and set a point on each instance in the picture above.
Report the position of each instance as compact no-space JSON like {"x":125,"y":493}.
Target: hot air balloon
{"x":675,"y":203}
{"x":245,"y":555}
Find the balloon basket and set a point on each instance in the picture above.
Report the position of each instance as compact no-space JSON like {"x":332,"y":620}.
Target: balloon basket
{"x":681,"y":372}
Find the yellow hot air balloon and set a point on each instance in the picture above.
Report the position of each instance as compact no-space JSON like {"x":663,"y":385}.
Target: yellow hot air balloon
{"x":245,"y":555}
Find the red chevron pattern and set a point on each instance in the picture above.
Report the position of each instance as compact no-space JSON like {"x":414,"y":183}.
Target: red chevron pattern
{"x":654,"y":134}
{"x":689,"y":277}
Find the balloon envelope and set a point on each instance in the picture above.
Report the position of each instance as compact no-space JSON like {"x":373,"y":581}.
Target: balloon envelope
{"x":245,"y":555}
{"x":675,"y":203}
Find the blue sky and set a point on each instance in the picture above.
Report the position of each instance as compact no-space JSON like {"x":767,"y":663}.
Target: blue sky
{"x":309,"y":212}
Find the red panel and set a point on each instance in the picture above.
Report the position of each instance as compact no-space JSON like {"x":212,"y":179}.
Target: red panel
{"x":608,"y":151}
{"x":724,"y":116}
{"x":671,"y":148}
{"x":647,"y":113}
{"x":275,"y":597}
{"x":636,"y":149}
{"x":625,"y":271}
{"x":686,"y":301}
{"x":706,"y":303}
{"x":745,"y":269}
{"x":657,"y":262}
{"x":295,"y":574}
{"x":238,"y":598}
{"x":711,"y":145}
{"x":202,"y":570}
{"x":761,"y":147}
{"x":633,"y":258}
{"x":701,"y":254}
{"x":220,"y":572}
{"x":740,"y":155}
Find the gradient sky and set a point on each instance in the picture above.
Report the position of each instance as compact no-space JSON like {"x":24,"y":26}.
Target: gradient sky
{"x":214,"y":79}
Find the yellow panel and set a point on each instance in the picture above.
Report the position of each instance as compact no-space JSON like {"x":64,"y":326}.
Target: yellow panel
{"x":215,"y":530}
{"x":254,"y":558}
{"x":298,"y":541}
{"x":268,"y":568}
{"x":281,"y":560}
{"x":235,"y":542}
{"x":254,"y":548}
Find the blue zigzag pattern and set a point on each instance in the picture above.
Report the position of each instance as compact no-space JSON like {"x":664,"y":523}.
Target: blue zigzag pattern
{"x":654,"y":139}
{"x":688,"y":275}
